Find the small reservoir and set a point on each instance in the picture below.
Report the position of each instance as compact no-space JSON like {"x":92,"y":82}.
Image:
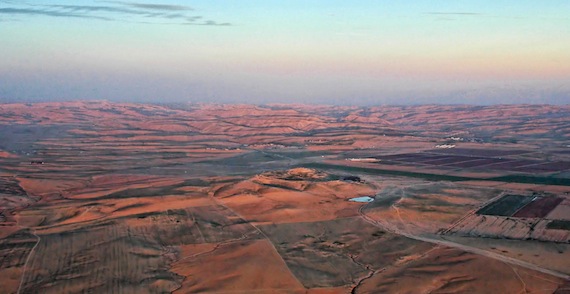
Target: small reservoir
{"x":362,"y":199}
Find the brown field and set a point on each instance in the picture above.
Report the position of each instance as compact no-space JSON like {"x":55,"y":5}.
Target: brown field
{"x":426,"y":207}
{"x":548,"y":255}
{"x":338,"y":252}
{"x":214,"y":269}
{"x":472,"y":158}
{"x":105,"y":197}
{"x":490,"y":226}
{"x":446,"y":270}
{"x":539,"y":208}
{"x":562,"y":211}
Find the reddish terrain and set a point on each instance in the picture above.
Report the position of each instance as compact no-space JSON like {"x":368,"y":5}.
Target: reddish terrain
{"x":112,"y":197}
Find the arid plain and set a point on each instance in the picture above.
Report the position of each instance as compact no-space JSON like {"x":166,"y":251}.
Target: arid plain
{"x":101,"y":197}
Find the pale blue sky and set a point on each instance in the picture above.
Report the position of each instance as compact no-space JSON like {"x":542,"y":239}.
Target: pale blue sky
{"x":362,"y":52}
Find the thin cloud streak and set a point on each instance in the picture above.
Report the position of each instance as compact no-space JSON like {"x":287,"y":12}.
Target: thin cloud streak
{"x":210,"y":23}
{"x":120,"y":11}
{"x":165,"y":7}
{"x":113,"y":9}
{"x":454,"y":13}
{"x":27,"y":11}
{"x":89,"y":8}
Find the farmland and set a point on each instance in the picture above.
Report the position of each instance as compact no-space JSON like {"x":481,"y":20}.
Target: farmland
{"x":488,"y":159}
{"x":525,"y":217}
{"x":506,"y":205}
{"x":131,"y":198}
{"x":539,"y":208}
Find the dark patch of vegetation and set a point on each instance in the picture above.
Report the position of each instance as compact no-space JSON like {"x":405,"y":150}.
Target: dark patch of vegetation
{"x":11,"y":186}
{"x":352,"y":179}
{"x":544,"y":180}
{"x":301,"y":154}
{"x":532,"y":180}
{"x":559,"y":225}
{"x":387,"y":172}
{"x":144,"y":192}
{"x":378,"y":233}
{"x":143,"y":215}
{"x":281,"y":187}
{"x":506,"y":205}
{"x":156,"y":191}
{"x":193,"y":182}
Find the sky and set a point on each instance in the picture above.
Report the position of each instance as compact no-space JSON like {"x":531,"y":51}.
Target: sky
{"x":289,"y":51}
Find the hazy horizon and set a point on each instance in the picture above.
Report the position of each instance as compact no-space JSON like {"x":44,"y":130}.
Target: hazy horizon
{"x":263,"y":52}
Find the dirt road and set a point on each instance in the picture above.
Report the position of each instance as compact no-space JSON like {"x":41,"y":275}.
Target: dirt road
{"x":437,"y":240}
